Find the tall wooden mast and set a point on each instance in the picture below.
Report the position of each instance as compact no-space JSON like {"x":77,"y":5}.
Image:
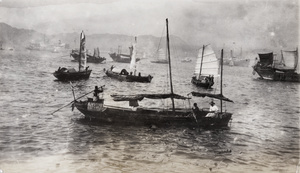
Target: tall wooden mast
{"x":80,"y":51}
{"x":201,"y":62}
{"x":169,"y":58}
{"x":221,"y":81}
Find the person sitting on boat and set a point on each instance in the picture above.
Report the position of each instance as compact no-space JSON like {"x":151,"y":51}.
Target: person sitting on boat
{"x":124,"y":72}
{"x":213,"y":110}
{"x":96,"y":93}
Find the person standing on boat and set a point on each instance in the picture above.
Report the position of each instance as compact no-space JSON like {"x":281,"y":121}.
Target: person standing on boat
{"x":196,"y":110}
{"x":212,"y":110}
{"x":96,"y":93}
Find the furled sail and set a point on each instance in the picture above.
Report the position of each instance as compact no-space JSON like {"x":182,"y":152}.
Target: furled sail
{"x":82,"y":60}
{"x":290,"y":59}
{"x":209,"y":61}
{"x":133,"y":57}
{"x":149,"y":96}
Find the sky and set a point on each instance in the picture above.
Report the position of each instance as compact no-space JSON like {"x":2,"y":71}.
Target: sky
{"x":196,"y":21}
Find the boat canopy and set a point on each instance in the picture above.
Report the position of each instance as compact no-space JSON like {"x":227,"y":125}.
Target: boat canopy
{"x":216,"y":96}
{"x":266,"y":58}
{"x":149,"y":96}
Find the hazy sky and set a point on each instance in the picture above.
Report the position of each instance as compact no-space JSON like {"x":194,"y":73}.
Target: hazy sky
{"x":192,"y":20}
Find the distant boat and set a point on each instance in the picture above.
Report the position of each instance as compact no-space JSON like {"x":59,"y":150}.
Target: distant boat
{"x":237,"y":60}
{"x":132,"y":76}
{"x":83,"y":72}
{"x":161,"y":57}
{"x":187,"y":59}
{"x":283,"y":69}
{"x":96,"y":58}
{"x":34,"y":46}
{"x":140,"y":115}
{"x":123,"y":58}
{"x":207,"y":66}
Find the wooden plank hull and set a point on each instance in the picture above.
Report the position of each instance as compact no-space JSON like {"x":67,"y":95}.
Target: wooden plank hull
{"x":67,"y":76}
{"x":120,"y":58}
{"x":154,"y":116}
{"x":271,"y":73}
{"x":202,"y":83}
{"x":90,"y":58}
{"x":129,"y":78}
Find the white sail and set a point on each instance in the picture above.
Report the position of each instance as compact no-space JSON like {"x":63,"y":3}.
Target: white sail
{"x":82,"y":64}
{"x":161,"y":55}
{"x":210,"y":63}
{"x":133,"y":57}
{"x":290,"y":59}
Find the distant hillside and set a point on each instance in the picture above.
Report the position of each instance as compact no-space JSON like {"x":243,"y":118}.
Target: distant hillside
{"x":11,"y":37}
{"x":146,"y":44}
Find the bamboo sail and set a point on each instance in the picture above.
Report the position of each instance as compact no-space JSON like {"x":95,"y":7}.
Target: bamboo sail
{"x":207,"y":63}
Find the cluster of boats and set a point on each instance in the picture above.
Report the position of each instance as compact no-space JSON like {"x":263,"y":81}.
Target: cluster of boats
{"x":95,"y":108}
{"x":207,"y":67}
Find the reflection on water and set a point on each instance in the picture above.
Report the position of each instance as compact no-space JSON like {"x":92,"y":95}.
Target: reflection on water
{"x":263,"y":136}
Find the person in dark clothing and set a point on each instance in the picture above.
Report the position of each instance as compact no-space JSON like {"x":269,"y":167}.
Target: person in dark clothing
{"x":195,"y":108}
{"x":96,"y":93}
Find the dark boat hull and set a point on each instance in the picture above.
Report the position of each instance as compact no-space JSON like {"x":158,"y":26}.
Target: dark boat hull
{"x":271,"y":73}
{"x":90,"y":59}
{"x":120,"y":58}
{"x":67,"y":76}
{"x":148,"y":116}
{"x":202,"y":83}
{"x":129,"y":78}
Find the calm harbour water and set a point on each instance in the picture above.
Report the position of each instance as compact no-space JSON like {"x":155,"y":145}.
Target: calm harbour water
{"x":263,"y":135}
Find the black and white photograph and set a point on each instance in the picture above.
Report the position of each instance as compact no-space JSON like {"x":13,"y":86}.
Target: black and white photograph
{"x":149,"y":86}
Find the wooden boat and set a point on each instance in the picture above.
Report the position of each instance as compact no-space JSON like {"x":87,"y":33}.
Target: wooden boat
{"x":207,"y":66}
{"x":122,"y":58}
{"x":161,"y":57}
{"x":123,"y":75}
{"x":137,"y":115}
{"x":96,"y":58}
{"x":221,"y":118}
{"x":283,"y":69}
{"x":83,"y":72}
{"x":237,"y":60}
